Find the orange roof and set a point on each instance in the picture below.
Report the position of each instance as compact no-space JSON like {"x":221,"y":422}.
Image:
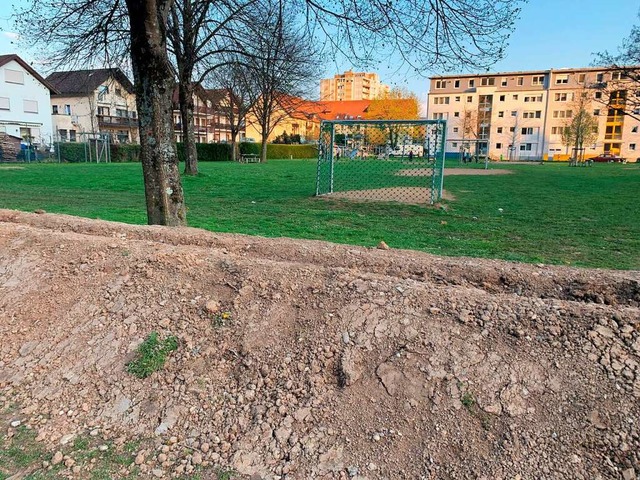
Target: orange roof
{"x":344,"y":110}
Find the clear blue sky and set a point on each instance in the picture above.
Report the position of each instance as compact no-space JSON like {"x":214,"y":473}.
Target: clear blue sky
{"x":549,"y":34}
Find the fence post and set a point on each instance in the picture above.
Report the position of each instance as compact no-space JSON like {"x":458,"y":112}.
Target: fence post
{"x":333,"y":139}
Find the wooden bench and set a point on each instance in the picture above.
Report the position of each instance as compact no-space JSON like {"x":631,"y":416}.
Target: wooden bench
{"x":249,"y":158}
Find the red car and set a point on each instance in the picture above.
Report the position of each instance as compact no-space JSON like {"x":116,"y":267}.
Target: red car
{"x":609,"y":158}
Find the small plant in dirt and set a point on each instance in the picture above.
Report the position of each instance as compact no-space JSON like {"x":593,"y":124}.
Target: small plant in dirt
{"x":222,"y":319}
{"x":225,"y":474}
{"x":152,"y":353}
{"x":467,"y":400}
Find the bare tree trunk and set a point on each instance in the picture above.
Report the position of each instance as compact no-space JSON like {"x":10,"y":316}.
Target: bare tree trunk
{"x":185,"y":97}
{"x":263,"y":148}
{"x":234,"y":145}
{"x":154,"y":86}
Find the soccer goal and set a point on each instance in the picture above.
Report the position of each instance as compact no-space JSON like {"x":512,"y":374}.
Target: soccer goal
{"x":382,"y":160}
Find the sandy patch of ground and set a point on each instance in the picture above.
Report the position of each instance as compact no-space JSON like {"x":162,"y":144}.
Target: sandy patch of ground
{"x":448,"y":172}
{"x":407,"y":195}
{"x":10,"y":167}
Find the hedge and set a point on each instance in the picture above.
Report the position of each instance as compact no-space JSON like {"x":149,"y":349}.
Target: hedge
{"x":275,"y":151}
{"x":208,"y":152}
{"x":73,"y":152}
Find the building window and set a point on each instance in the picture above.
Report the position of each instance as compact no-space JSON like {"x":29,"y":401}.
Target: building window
{"x":581,"y":78}
{"x":562,"y":79}
{"x":634,"y":129}
{"x":498,"y":145}
{"x":457,"y":99}
{"x":456,"y":84}
{"x":441,"y":100}
{"x":599,"y":77}
{"x":455,"y":129}
{"x":616,"y":75}
{"x":103,"y":111}
{"x":469,"y":99}
{"x":103,"y":91}
{"x":503,"y":82}
{"x":563,"y":97}
{"x":441,"y":84}
{"x":515,"y":97}
{"x":72,"y":135}
{"x":438,"y":116}
{"x":488,"y":82}
{"x":596,"y":112}
{"x":13,"y":76}
{"x":500,"y":114}
{"x":514,"y":113}
{"x":512,"y":129}
{"x":526,"y":147}
{"x":537,"y":80}
{"x":118,"y":92}
{"x":63,"y":134}
{"x":30,"y":106}
{"x":5,"y":103}
{"x":456,"y":114}
{"x":598,"y":95}
{"x":632,"y":146}
{"x":454,"y":144}
{"x":520,"y":81}
{"x":527,"y":131}
{"x":499,"y":129}
{"x":67,"y":109}
{"x":54,"y":109}
{"x":503,"y":98}
{"x":472,"y":83}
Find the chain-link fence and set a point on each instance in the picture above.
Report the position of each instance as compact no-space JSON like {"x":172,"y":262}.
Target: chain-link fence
{"x":382,"y":160}
{"x":81,"y":147}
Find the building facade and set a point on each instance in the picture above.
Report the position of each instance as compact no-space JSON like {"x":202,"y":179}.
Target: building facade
{"x":522,"y":115}
{"x":352,"y":86}
{"x":25,"y":115}
{"x":93,"y":103}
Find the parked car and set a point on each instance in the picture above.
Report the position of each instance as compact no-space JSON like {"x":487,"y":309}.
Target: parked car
{"x":609,"y":158}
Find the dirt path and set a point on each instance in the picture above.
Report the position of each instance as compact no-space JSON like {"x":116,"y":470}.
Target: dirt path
{"x":336,"y":362}
{"x":448,"y":172}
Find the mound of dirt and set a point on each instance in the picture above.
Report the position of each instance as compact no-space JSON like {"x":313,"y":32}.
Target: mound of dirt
{"x":335,"y":362}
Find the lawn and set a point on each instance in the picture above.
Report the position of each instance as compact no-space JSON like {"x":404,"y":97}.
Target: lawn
{"x":551,"y":213}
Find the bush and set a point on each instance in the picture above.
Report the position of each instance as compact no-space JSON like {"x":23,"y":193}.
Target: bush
{"x":152,"y":353}
{"x":275,"y":151}
{"x":208,"y":152}
{"x":121,"y":152}
{"x":71,"y":152}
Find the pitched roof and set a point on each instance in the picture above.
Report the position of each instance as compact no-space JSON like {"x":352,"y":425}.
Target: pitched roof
{"x":80,"y":82}
{"x":4,"y":59}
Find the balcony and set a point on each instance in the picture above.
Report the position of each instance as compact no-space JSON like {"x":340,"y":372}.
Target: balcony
{"x":109,"y":121}
{"x":615,"y":119}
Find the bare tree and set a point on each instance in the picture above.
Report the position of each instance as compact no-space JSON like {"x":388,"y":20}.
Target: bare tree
{"x":581,"y":130}
{"x":279,"y":71}
{"x":199,"y":32}
{"x":234,"y":103}
{"x":621,"y":91}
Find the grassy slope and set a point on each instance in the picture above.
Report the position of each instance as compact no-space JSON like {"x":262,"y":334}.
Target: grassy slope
{"x":551,"y":213}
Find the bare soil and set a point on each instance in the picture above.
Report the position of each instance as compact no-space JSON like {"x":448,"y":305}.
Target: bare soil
{"x":406,"y":195}
{"x":338,"y":362}
{"x":424,"y":172}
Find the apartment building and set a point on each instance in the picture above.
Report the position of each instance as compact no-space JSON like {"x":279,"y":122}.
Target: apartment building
{"x":521,"y":115}
{"x":95,"y":102}
{"x":352,"y":86}
{"x":25,"y":118}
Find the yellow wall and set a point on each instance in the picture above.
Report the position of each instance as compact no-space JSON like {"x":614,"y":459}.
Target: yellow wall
{"x":306,"y":128}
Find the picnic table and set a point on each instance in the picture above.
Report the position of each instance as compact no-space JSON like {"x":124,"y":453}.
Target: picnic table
{"x":249,"y":158}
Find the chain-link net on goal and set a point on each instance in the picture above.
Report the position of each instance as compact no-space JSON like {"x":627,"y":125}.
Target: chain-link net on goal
{"x":382,"y":160}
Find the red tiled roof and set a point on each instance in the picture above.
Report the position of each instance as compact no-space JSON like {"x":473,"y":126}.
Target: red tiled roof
{"x":344,"y":110}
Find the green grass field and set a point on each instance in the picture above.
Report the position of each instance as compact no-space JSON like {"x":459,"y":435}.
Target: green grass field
{"x":551,"y":213}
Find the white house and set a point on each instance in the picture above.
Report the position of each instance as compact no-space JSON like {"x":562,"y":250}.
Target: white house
{"x":25,"y":99}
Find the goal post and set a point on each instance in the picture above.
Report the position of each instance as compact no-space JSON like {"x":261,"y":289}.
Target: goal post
{"x":382,"y":160}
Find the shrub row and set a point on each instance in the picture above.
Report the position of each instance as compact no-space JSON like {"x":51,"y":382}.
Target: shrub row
{"x":207,"y":152}
{"x":275,"y":151}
